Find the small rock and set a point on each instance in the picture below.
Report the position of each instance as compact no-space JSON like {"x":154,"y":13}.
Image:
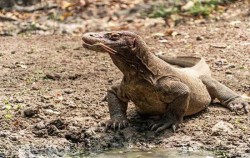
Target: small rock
{"x":48,"y":106}
{"x":229,"y":72}
{"x":50,"y":112}
{"x":70,"y":104}
{"x":52,"y":130}
{"x":69,"y":91}
{"x":175,"y":34}
{"x":35,"y":87}
{"x":77,"y":98}
{"x":199,"y":38}
{"x":163,"y":41}
{"x":47,"y":97}
{"x":52,"y":76}
{"x":40,"y":125}
{"x":58,"y":98}
{"x":13,"y":137}
{"x":236,"y":24}
{"x":231,"y":66}
{"x":41,"y":133}
{"x":221,"y":62}
{"x":73,"y":128}
{"x":75,"y":137}
{"x":74,"y":76}
{"x":59,"y":123}
{"x":187,"y":6}
{"x":158,"y":34}
{"x":19,"y":100}
{"x":30,"y":112}
{"x":128,"y":133}
{"x":4,"y":133}
{"x":23,"y":66}
{"x":222,"y":127}
{"x":41,"y":116}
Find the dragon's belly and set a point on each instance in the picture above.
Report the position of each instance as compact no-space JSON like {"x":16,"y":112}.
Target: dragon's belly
{"x":150,"y":101}
{"x":199,"y":98}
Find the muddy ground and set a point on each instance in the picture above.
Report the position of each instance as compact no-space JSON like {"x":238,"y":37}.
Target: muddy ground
{"x":52,"y":93}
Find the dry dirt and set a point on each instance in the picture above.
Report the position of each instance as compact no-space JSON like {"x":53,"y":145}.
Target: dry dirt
{"x":52,"y":94}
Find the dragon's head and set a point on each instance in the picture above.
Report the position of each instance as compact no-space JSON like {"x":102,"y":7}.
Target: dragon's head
{"x":123,"y":43}
{"x":127,"y":49}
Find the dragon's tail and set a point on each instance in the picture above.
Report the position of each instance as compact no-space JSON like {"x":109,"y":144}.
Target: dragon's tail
{"x":197,"y":64}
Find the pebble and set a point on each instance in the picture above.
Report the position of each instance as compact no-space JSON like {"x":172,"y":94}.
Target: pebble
{"x":50,"y":112}
{"x":231,"y":66}
{"x":4,"y":133}
{"x":40,"y":125}
{"x":69,"y":91}
{"x":30,"y":112}
{"x":53,"y":76}
{"x":41,"y":133}
{"x":222,"y":127}
{"x":229,"y":72}
{"x":199,"y":38}
{"x":13,"y":137}
{"x":19,"y":100}
{"x":52,"y":130}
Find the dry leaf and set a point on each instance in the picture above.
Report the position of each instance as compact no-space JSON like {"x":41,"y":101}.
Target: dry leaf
{"x":66,"y":5}
{"x":169,"y":32}
{"x":158,"y":34}
{"x":65,"y":16}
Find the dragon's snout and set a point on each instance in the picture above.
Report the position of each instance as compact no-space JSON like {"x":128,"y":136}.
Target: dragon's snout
{"x":97,"y":42}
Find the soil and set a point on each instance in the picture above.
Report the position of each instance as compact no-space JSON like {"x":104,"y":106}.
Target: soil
{"x":52,"y":93}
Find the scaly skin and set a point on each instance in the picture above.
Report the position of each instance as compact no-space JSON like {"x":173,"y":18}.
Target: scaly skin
{"x":155,"y":86}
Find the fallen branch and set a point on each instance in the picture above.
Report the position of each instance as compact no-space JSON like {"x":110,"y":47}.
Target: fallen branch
{"x":6,"y":18}
{"x":33,"y":8}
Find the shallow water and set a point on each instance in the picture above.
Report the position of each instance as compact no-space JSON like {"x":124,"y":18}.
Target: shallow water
{"x":154,"y":153}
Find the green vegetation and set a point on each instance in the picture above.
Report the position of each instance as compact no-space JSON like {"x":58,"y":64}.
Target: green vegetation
{"x":198,"y":8}
{"x":201,"y":9}
{"x":162,"y":11}
{"x":8,"y":114}
{"x":10,"y":108}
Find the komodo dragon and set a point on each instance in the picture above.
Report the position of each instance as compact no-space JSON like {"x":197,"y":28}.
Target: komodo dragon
{"x":156,"y":87}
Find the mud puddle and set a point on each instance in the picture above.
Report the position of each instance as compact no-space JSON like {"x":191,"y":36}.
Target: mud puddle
{"x":156,"y":153}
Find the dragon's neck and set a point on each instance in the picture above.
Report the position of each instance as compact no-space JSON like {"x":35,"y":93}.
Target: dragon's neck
{"x":143,"y":65}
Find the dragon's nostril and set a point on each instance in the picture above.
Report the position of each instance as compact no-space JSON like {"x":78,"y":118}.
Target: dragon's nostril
{"x":91,"y":35}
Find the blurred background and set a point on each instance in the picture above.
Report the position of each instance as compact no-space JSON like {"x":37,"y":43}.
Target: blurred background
{"x":18,"y":17}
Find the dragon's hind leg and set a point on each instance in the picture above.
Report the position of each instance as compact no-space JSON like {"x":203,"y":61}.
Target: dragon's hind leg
{"x":225,"y":95}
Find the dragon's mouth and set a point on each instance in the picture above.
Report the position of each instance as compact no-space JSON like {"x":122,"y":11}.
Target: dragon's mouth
{"x":98,"y":46}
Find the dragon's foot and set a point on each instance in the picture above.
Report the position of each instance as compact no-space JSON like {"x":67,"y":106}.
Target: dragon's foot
{"x":239,"y":105}
{"x":116,"y":124}
{"x":164,"y":124}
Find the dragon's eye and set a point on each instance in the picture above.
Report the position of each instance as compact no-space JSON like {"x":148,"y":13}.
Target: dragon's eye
{"x":114,"y":36}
